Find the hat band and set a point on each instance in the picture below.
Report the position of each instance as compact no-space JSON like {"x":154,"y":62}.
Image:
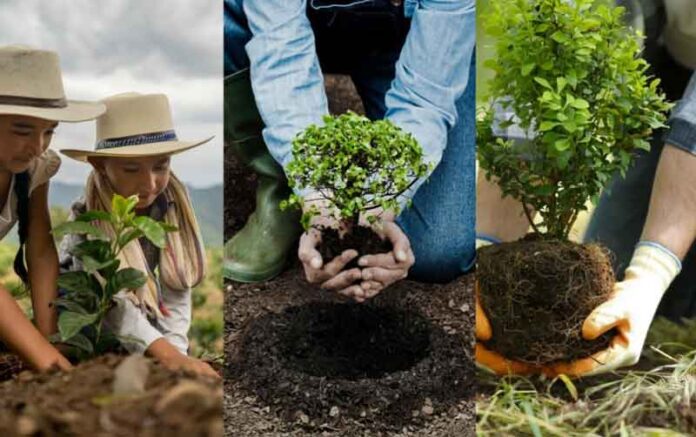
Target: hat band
{"x":134,"y":140}
{"x":33,"y":101}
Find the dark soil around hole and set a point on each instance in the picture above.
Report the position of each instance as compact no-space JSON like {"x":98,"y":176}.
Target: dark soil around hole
{"x":537,"y":295}
{"x":303,"y":361}
{"x":80,"y":403}
{"x":298,"y":360}
{"x":361,"y":238}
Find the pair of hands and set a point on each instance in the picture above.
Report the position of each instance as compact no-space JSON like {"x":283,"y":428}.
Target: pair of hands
{"x":630,"y":309}
{"x":375,"y":272}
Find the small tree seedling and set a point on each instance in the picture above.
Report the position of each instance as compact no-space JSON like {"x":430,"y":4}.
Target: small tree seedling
{"x":89,"y":292}
{"x":571,"y":73}
{"x":356,"y":165}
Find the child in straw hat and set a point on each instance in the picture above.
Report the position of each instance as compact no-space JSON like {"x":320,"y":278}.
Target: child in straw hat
{"x":135,"y":140}
{"x":32,"y":102}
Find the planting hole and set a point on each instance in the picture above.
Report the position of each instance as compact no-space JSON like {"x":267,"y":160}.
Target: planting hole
{"x":351,"y":341}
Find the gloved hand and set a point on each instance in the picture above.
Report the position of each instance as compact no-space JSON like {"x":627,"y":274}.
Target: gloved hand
{"x":486,"y":358}
{"x":630,"y":310}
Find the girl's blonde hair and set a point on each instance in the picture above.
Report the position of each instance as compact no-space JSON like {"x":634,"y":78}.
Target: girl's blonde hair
{"x":182,"y":262}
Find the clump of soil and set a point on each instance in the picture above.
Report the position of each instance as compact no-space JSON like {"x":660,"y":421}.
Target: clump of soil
{"x":81,"y":403}
{"x":361,"y":238}
{"x":10,"y":365}
{"x":537,"y":294}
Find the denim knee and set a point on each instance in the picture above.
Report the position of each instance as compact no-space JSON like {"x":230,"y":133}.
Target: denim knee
{"x":442,"y":257}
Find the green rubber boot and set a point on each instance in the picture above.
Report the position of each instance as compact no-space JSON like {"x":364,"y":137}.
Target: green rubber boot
{"x":259,"y":250}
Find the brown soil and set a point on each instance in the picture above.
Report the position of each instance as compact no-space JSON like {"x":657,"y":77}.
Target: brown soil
{"x":360,"y":238}
{"x":302,"y":361}
{"x":10,"y":365}
{"x":537,"y":294}
{"x":80,"y":403}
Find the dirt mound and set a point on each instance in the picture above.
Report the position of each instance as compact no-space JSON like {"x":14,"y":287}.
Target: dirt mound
{"x":537,"y":295}
{"x":81,"y":403}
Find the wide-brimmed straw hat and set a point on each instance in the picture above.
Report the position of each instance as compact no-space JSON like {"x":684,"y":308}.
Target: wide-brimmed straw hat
{"x":31,"y":84}
{"x":135,"y":125}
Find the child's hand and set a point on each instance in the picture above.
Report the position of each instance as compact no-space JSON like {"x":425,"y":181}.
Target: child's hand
{"x":183,"y":362}
{"x":171,"y":358}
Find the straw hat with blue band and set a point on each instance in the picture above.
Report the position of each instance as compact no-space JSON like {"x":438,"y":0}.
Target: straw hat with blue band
{"x":31,"y":84}
{"x":135,"y":125}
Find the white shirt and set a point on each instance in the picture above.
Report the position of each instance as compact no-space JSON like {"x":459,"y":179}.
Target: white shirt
{"x":40,"y":171}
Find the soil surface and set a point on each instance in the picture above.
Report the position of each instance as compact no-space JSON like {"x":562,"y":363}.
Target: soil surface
{"x":537,"y":295}
{"x":302,"y":361}
{"x":81,"y":403}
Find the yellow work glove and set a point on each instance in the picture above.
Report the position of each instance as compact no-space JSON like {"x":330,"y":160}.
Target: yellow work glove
{"x":630,"y":310}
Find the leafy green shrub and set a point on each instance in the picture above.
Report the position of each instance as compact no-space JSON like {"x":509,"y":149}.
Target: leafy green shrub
{"x":89,"y":292}
{"x":355,"y":164}
{"x":571,"y":73}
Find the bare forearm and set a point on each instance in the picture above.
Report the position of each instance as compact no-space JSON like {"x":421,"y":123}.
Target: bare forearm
{"x":43,"y":274}
{"x":671,"y":218}
{"x":19,"y":334}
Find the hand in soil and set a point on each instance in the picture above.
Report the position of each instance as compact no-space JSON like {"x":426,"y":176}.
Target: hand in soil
{"x":382,"y":270}
{"x":183,"y":362}
{"x":329,"y":275}
{"x":171,"y":358}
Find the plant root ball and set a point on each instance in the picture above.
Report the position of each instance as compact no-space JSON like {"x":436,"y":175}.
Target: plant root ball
{"x":537,"y":294}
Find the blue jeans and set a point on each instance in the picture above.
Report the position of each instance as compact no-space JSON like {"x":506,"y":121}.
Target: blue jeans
{"x":618,"y":223}
{"x":440,"y":223}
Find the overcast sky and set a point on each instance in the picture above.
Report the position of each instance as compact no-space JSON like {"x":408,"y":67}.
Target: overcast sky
{"x":113,"y":46}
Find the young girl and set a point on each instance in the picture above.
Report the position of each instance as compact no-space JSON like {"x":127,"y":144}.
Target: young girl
{"x":32,"y":102}
{"x":135,"y":140}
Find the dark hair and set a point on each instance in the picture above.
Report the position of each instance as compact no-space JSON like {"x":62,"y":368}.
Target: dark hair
{"x":21,"y":189}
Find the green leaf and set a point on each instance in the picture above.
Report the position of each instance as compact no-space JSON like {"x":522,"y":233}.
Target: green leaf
{"x":168,"y":227}
{"x":76,"y":281}
{"x":92,"y":265}
{"x":547,"y":125}
{"x":527,"y":68}
{"x":94,"y":215}
{"x":579,"y":103}
{"x":70,"y":305}
{"x":121,"y":206}
{"x":82,"y":228}
{"x":96,"y":249}
{"x":129,"y":236}
{"x":126,"y":279}
{"x":543,"y":82}
{"x":81,"y":342}
{"x":70,"y":323}
{"x":152,"y":230}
